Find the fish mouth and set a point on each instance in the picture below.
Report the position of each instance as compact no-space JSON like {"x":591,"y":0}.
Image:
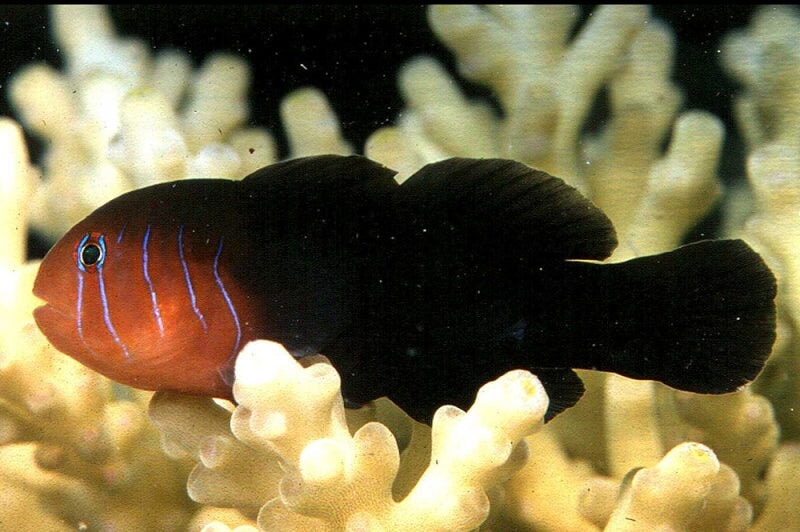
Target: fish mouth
{"x":53,"y":321}
{"x":44,"y":314}
{"x":57,"y":325}
{"x":61,"y":331}
{"x":48,"y":316}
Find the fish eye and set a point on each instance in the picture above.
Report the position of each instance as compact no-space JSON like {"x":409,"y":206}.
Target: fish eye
{"x":90,"y":252}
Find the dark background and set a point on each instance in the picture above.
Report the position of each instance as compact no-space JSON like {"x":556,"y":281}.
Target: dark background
{"x":352,"y":53}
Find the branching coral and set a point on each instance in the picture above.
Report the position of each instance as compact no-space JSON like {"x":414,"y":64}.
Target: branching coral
{"x":331,"y":480}
{"x":114,"y":115}
{"x":72,"y":454}
{"x":676,"y":493}
{"x":766,"y":61}
{"x":686,"y":488}
{"x":117,"y":119}
{"x":287,"y":445}
{"x":546,"y":86}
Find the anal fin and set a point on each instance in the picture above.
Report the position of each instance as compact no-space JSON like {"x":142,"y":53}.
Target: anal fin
{"x":564,"y":388}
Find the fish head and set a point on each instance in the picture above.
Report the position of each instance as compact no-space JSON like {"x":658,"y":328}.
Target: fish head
{"x":136,"y":292}
{"x":71,"y":281}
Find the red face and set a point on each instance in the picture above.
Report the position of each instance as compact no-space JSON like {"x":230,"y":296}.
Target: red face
{"x":146,"y":299}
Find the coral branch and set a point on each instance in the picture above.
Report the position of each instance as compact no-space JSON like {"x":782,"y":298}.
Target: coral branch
{"x":764,"y":58}
{"x":669,"y":495}
{"x":290,"y":432}
{"x":16,"y":183}
{"x":128,"y":120}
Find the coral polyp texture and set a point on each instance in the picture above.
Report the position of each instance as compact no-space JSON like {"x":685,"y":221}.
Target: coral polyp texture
{"x":545,"y":85}
{"x":117,"y":118}
{"x":78,"y":452}
{"x":330,"y":479}
{"x":764,"y":58}
{"x":73,"y":453}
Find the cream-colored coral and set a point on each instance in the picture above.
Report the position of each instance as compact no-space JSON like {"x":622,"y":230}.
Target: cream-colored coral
{"x":674,"y":493}
{"x":687,"y":490}
{"x":17,"y":180}
{"x":546,"y":85}
{"x":311,"y":125}
{"x":741,"y":427}
{"x":774,"y":173}
{"x":77,"y":451}
{"x":329,"y":479}
{"x":118,"y":118}
{"x":72,"y":453}
{"x":287,"y":448}
{"x":528,"y":500}
{"x":782,"y":509}
{"x":764,"y":58}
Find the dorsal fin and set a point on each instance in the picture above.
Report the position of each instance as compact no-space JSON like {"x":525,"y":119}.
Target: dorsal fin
{"x":336,"y":199}
{"x":333,"y":178}
{"x":563,"y":386}
{"x":500,"y":203}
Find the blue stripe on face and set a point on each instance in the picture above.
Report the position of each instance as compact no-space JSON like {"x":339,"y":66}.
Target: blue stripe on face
{"x":79,"y":308}
{"x":98,"y":268}
{"x":121,"y":232}
{"x":104,"y":301}
{"x":79,"y":315}
{"x":225,"y":296}
{"x":82,"y":243}
{"x":153,"y":300}
{"x":188,"y":280}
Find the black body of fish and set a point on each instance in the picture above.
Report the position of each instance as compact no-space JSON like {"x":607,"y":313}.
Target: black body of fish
{"x":424,"y":291}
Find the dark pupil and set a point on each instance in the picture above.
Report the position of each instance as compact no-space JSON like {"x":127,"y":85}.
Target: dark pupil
{"x":90,"y":254}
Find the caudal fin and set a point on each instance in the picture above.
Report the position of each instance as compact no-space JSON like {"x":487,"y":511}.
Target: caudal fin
{"x":700,"y":318}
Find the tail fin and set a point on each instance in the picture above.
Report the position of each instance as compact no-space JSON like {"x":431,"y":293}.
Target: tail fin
{"x":700,"y":318}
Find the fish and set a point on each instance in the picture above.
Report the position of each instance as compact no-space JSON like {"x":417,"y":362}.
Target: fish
{"x":420,"y":291}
